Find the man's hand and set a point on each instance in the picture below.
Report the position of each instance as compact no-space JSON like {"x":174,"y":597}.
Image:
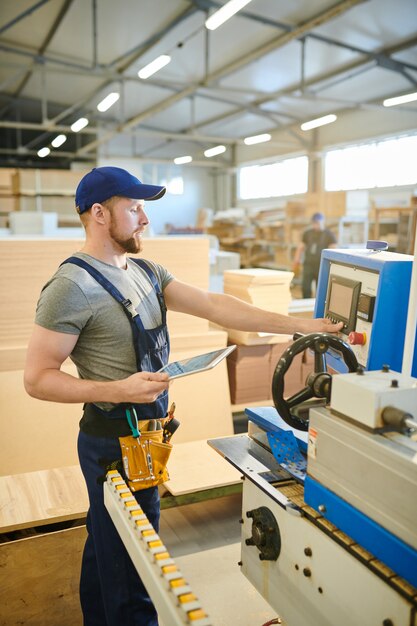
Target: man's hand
{"x":321,"y":325}
{"x":296,"y":267}
{"x":142,"y":387}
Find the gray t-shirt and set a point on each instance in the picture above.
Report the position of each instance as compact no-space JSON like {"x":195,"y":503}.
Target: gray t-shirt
{"x":74,"y":302}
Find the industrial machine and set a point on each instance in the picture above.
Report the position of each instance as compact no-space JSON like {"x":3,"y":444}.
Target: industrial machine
{"x":329,"y":533}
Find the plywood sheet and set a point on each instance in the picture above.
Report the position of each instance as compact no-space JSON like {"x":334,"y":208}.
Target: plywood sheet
{"x":27,"y":264}
{"x":194,"y":466}
{"x":34,"y":434}
{"x":37,"y":435}
{"x":203,"y":399}
{"x":39,"y":579}
{"x":42,"y":497}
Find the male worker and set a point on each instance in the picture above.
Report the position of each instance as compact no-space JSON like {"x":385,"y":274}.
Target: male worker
{"x":107,"y":312}
{"x":314,"y":240}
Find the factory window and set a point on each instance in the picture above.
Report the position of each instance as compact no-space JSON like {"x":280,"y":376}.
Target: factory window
{"x":275,"y":179}
{"x":387,"y":163}
{"x":174,"y":185}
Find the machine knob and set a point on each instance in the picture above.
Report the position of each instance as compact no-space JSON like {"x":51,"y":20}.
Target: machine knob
{"x":357,"y":339}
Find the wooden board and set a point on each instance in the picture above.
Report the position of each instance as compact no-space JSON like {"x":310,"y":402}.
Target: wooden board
{"x":194,"y":466}
{"x":42,"y":497}
{"x":37,"y":435}
{"x":27,"y":264}
{"x":203,"y":399}
{"x":39,"y":579}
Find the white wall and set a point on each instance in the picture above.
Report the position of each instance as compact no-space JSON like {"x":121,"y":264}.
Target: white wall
{"x":178,"y":210}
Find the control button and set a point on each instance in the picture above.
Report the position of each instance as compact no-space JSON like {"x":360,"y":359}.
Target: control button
{"x":357,"y":339}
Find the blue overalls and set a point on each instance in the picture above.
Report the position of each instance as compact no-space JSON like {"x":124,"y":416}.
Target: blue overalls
{"x":111,"y":591}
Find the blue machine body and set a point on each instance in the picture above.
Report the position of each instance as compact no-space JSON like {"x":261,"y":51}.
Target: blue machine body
{"x":390,"y":274}
{"x":368,"y":290}
{"x":394,"y":552}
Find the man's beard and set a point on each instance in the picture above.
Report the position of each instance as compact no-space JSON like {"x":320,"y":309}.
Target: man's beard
{"x":133,"y":245}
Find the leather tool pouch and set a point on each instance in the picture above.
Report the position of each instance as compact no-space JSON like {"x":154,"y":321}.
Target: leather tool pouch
{"x":145,"y":459}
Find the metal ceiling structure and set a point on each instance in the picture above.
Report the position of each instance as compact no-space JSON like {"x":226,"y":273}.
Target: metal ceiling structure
{"x":271,"y":67}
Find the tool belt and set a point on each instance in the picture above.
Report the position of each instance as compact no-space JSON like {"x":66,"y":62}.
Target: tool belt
{"x":145,"y":453}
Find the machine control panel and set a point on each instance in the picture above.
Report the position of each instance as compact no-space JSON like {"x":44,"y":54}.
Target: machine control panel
{"x":342,"y":301}
{"x":350,"y":298}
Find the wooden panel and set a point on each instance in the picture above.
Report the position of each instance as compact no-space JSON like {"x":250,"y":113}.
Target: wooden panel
{"x":202,"y":400}
{"x":34,"y":434}
{"x":37,"y":435}
{"x":60,"y":182}
{"x":27,"y":264}
{"x":39,"y":579}
{"x":194,"y":466}
{"x":38,"y":498}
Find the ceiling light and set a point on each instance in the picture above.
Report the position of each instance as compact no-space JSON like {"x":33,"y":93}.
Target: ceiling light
{"x":108,"y":101}
{"x":154,"y":66}
{"x":182,"y":160}
{"x":320,"y":121}
{"x":249,"y":141}
{"x":214,"y":151}
{"x":59,"y":140}
{"x":43,"y":152}
{"x":79,"y":124}
{"x":226,"y":12}
{"x":392,"y":102}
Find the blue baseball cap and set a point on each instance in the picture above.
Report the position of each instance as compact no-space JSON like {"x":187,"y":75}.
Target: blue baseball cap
{"x":103,"y":183}
{"x":317,"y":217}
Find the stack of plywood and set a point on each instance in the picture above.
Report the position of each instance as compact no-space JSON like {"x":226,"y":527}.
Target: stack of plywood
{"x":251,"y":369}
{"x":331,"y":203}
{"x":38,"y":435}
{"x":265,"y":289}
{"x":47,"y":191}
{"x":251,"y":366}
{"x":7,"y":201}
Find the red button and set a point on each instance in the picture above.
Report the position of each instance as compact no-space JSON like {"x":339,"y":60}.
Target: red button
{"x":357,"y":339}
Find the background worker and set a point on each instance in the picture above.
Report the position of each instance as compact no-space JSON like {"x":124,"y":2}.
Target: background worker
{"x":314,"y":239}
{"x":78,"y":317}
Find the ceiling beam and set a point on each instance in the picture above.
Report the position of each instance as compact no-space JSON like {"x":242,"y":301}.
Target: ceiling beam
{"x":277,"y":42}
{"x":22,"y":16}
{"x":310,"y":82}
{"x":240,"y":62}
{"x":140,"y":132}
{"x":58,"y":20}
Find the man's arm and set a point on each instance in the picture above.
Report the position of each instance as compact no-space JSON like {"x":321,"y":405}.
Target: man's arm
{"x":298,"y":253}
{"x":231,"y":312}
{"x":44,"y":379}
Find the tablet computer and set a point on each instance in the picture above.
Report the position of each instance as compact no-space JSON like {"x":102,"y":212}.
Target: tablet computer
{"x":195,"y":364}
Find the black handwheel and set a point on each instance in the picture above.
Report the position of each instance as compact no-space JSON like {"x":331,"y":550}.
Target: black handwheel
{"x":294,"y":410}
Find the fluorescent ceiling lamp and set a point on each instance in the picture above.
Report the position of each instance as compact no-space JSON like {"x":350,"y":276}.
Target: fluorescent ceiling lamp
{"x":320,"y":121}
{"x":59,"y":140}
{"x":43,"y":152}
{"x":408,"y":97}
{"x":182,"y":160}
{"x":226,"y":12}
{"x":214,"y":151}
{"x":79,"y":124}
{"x":154,"y":66}
{"x":108,"y":101}
{"x":250,"y":141}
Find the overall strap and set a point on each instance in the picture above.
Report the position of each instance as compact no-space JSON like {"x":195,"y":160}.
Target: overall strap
{"x":106,"y":284}
{"x":142,"y":264}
